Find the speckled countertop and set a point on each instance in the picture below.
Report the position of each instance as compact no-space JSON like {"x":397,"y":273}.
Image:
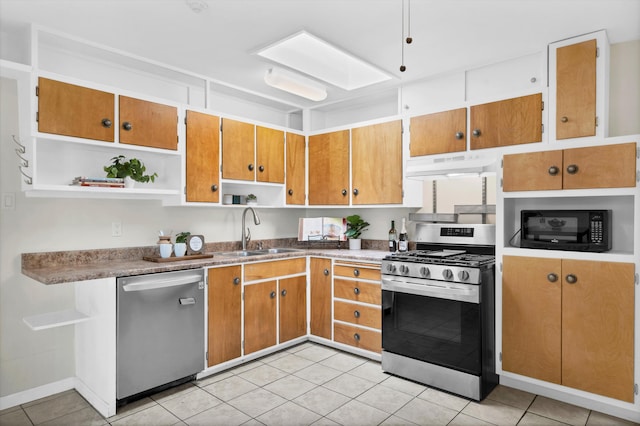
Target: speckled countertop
{"x":82,"y":265}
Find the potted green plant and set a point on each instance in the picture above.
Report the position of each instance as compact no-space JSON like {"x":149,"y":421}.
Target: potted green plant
{"x":180,"y":247}
{"x":131,"y":169}
{"x":355,"y":226}
{"x":252,"y":200}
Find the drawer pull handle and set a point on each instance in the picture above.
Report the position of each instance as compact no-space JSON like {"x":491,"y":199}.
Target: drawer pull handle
{"x":214,"y":188}
{"x":356,"y":272}
{"x":106,"y":123}
{"x":571,"y":279}
{"x":344,"y":192}
{"x":236,"y":281}
{"x":272,"y":294}
{"x":290,"y":192}
{"x":356,"y":314}
{"x":552,"y":278}
{"x":564,"y":119}
{"x":572,"y":169}
{"x":261,"y":168}
{"x":127,"y":126}
{"x":356,"y":290}
{"x":326,"y":272}
{"x":476,"y":132}
{"x":356,"y":337}
{"x":250,"y":167}
{"x":553,"y":170}
{"x":283,"y":292}
{"x":459,"y":135}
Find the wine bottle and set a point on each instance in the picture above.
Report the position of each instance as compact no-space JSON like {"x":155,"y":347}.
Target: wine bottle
{"x":393,"y":236}
{"x":403,"y":239}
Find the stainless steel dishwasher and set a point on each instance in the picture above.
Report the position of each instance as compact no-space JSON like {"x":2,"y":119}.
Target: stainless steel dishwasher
{"x":160,"y":330}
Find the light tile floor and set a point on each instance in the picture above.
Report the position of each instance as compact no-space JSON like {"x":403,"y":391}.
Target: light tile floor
{"x":304,"y":385}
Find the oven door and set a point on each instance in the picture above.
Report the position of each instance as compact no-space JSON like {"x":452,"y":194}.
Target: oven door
{"x":435,"y":322}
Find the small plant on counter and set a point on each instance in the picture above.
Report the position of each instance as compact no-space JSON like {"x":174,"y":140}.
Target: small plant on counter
{"x":355,"y":226}
{"x":182,"y":237}
{"x":120,"y":167}
{"x":252,"y":199}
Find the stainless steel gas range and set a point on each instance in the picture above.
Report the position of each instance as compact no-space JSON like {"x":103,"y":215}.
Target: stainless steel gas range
{"x":438,"y":309}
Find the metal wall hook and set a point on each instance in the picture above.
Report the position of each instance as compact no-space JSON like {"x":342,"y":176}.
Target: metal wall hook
{"x":28,"y":178}
{"x":21,"y":148}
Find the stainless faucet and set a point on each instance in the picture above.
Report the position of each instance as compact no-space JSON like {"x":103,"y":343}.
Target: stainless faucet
{"x":247,"y":237}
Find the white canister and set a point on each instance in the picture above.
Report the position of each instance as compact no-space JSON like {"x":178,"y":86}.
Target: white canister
{"x":165,"y":250}
{"x":227,"y":199}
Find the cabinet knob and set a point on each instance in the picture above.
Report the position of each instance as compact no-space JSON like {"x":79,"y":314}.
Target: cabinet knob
{"x":261,"y":168}
{"x":326,"y":272}
{"x":356,"y":290}
{"x":283,"y":292}
{"x":355,"y":191}
{"x":356,"y":272}
{"x":571,"y":279}
{"x":554,"y":170}
{"x":127,"y":126}
{"x":476,"y":132}
{"x":356,"y":337}
{"x":272,"y":294}
{"x":572,"y":169}
{"x":356,"y":314}
{"x":459,"y":135}
{"x":344,"y":192}
{"x":564,"y":119}
{"x":214,"y":188}
{"x":250,"y":167}
{"x":236,"y":281}
{"x":290,"y":192}
{"x":552,"y":278}
{"x":106,"y":123}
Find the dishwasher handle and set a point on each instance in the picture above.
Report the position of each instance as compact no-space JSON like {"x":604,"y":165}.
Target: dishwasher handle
{"x":153,"y":284}
{"x":187,"y":300}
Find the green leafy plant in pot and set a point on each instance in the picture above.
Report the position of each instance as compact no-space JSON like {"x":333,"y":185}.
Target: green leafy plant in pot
{"x":132,"y":168}
{"x":355,"y":226}
{"x":180,"y":247}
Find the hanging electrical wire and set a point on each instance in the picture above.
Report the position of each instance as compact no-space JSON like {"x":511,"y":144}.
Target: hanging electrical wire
{"x":402,"y":67}
{"x":408,"y":39}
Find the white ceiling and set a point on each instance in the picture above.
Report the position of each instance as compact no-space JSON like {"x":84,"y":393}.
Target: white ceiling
{"x":220,"y":42}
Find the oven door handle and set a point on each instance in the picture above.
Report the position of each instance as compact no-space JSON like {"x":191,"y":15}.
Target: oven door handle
{"x":468,"y":293}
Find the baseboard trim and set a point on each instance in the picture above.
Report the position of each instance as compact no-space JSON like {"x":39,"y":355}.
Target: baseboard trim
{"x":37,"y":393}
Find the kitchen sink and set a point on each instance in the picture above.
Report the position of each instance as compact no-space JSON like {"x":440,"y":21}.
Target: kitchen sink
{"x":246,"y":253}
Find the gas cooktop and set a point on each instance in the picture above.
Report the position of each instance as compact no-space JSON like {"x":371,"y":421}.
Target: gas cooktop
{"x":443,"y":257}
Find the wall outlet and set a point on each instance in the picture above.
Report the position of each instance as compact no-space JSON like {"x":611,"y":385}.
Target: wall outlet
{"x":8,"y":201}
{"x":116,"y":229}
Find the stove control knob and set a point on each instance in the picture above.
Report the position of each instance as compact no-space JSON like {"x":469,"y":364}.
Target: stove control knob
{"x":447,"y":274}
{"x":391,"y":268}
{"x":463,"y":275}
{"x":404,"y":269}
{"x":424,"y":271}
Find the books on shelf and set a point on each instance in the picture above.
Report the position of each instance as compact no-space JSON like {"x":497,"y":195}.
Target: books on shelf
{"x":103,"y":182}
{"x":322,"y":228}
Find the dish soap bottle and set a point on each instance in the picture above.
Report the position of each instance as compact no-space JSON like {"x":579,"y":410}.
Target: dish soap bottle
{"x":403,"y":239}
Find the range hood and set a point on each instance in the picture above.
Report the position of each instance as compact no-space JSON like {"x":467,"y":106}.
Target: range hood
{"x":457,"y":165}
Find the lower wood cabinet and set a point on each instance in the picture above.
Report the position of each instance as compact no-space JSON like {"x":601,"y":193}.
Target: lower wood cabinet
{"x":260,"y":310}
{"x":225,"y":314}
{"x":292,"y":294}
{"x":320,"y":290}
{"x":359,"y":337}
{"x":570,"y":322}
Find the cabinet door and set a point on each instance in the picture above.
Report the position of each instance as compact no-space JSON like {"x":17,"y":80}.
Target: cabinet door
{"x":329,"y":168}
{"x":576,"y":90}
{"x":203,"y":157}
{"x":509,"y":122}
{"x":533,"y":171}
{"x":238,"y":150}
{"x":598,"y":327}
{"x":320,"y":270}
{"x":377,"y":163}
{"x":147,"y":123}
{"x":608,"y":166}
{"x":225,"y":300}
{"x":293,"y":308}
{"x":260,"y":316}
{"x":531,"y":317}
{"x":439,"y":132}
{"x":270,"y":155}
{"x":296,"y":170}
{"x":70,"y":110}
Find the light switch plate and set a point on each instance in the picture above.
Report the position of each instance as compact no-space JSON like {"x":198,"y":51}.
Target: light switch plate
{"x":8,"y":201}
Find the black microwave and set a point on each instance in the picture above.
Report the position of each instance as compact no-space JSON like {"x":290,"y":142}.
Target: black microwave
{"x":574,"y":230}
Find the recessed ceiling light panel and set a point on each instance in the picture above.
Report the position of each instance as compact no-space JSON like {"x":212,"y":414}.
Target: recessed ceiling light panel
{"x":315,"y":57}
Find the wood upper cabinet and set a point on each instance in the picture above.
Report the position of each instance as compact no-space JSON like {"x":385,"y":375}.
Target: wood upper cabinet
{"x":508,"y":122}
{"x":203,"y":157}
{"x":439,"y":133}
{"x":329,"y":168}
{"x":320,"y":283}
{"x":293,"y":308}
{"x":225,"y":301}
{"x":377,"y":163}
{"x":576,"y":90}
{"x":260,"y":315}
{"x":296,"y":169}
{"x":238,"y":150}
{"x":270,"y":155}
{"x":70,"y":110}
{"x":570,"y":322}
{"x":149,"y":124}
{"x":606,"y":166}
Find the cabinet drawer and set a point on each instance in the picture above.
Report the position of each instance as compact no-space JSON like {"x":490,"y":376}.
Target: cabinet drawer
{"x":277,"y":268}
{"x":368,"y":316}
{"x":365,"y":271}
{"x":359,"y":291}
{"x":358,"y":337}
